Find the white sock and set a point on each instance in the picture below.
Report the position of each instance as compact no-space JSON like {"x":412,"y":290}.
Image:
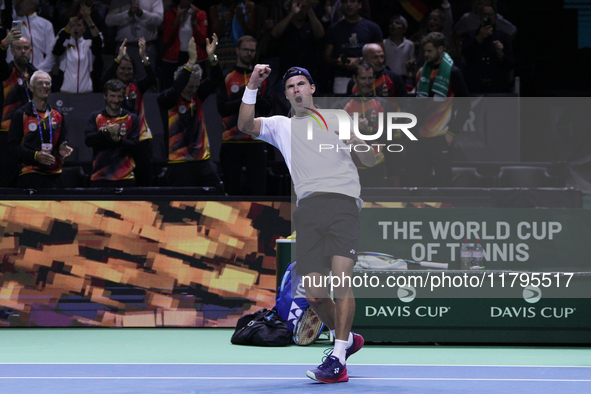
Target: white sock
{"x":340,"y":350}
{"x":349,"y":340}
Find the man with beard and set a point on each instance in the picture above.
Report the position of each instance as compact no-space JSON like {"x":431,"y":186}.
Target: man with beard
{"x":440,"y":81}
{"x":39,"y":32}
{"x":239,"y":149}
{"x":123,"y":68}
{"x":37,"y":138}
{"x":113,"y":134}
{"x":16,"y":92}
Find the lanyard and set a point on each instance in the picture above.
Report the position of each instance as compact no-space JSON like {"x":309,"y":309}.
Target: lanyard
{"x":48,"y":112}
{"x":29,"y":96}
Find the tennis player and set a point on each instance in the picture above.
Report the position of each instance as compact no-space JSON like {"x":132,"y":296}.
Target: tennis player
{"x":327,"y":214}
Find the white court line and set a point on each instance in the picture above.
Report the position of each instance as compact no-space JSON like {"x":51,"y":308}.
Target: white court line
{"x":310,"y":363}
{"x":274,"y":378}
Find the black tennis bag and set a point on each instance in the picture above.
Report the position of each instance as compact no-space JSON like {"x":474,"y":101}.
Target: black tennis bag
{"x":262,"y":328}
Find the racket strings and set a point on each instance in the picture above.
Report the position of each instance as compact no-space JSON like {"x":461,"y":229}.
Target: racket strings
{"x":308,"y":328}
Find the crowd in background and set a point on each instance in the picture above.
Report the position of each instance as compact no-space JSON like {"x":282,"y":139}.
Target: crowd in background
{"x":185,"y":54}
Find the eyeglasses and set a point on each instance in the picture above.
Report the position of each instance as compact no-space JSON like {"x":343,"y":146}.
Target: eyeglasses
{"x":248,"y":50}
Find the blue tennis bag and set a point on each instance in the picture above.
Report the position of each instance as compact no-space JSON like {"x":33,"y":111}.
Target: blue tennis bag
{"x":291,"y":297}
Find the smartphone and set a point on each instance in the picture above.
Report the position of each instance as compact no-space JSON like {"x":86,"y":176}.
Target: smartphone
{"x":17,"y":25}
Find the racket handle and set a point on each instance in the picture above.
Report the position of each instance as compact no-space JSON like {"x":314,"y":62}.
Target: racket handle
{"x":430,"y":264}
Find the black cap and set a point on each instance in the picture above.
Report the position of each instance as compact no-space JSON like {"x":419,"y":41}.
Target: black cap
{"x":292,"y":72}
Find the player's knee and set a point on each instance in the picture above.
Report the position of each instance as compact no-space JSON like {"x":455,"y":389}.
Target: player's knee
{"x":316,"y":301}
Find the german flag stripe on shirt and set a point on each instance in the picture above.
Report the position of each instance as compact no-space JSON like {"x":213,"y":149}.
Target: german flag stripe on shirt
{"x":112,"y":161}
{"x":15,"y":96}
{"x":187,"y":135}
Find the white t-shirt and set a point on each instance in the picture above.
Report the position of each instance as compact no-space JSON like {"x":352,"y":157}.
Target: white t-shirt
{"x":397,"y":55}
{"x":320,"y":164}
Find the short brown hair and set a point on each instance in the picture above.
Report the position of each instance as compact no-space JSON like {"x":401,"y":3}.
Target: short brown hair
{"x":245,"y":38}
{"x":113,"y":85}
{"x":435,"y":38}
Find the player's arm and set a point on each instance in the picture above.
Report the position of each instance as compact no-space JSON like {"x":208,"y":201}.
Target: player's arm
{"x":366,"y":156}
{"x":247,"y":123}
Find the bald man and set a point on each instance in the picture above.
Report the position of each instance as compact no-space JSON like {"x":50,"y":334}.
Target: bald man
{"x":387,"y":83}
{"x":16,"y":92}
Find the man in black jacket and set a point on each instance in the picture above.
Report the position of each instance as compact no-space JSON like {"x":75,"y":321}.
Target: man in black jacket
{"x":16,"y":92}
{"x":185,"y":135}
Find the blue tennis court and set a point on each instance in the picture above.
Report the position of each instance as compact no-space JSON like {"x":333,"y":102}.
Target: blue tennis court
{"x":203,"y":361}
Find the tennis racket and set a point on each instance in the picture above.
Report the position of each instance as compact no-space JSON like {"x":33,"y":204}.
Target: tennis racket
{"x":308,"y":328}
{"x":384,"y":261}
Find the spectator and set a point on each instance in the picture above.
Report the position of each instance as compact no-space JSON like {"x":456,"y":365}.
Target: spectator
{"x":37,"y":138}
{"x":327,"y":12}
{"x":298,"y":36}
{"x":344,"y":42}
{"x":15,"y":93}
{"x":230,"y":20}
{"x":66,"y":9}
{"x":471,"y":20}
{"x":386,"y":82}
{"x":180,"y":24}
{"x":239,"y":149}
{"x":38,"y":31}
{"x":112,"y":133}
{"x":438,"y":78}
{"x":77,"y":54}
{"x":489,"y":56}
{"x":134,"y":20}
{"x":330,"y":11}
{"x":439,"y":20}
{"x":399,"y":50}
{"x":123,"y":69}
{"x":268,"y":13}
{"x":184,"y":127}
{"x":368,"y":106}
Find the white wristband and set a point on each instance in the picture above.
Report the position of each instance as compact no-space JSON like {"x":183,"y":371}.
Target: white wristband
{"x":249,"y":96}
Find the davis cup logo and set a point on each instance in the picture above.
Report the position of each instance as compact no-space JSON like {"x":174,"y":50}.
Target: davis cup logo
{"x":532,"y":294}
{"x":406,"y":293}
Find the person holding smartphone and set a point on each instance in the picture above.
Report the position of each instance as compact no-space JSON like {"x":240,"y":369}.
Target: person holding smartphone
{"x":39,"y":32}
{"x":15,"y":76}
{"x":488,"y":53}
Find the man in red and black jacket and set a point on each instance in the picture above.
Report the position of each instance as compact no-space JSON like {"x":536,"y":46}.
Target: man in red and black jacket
{"x":113,"y":135}
{"x":37,"y":138}
{"x":15,"y":93}
{"x":123,"y":68}
{"x":184,"y":126}
{"x":239,"y":149}
{"x":179,"y":19}
{"x":386,"y":82}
